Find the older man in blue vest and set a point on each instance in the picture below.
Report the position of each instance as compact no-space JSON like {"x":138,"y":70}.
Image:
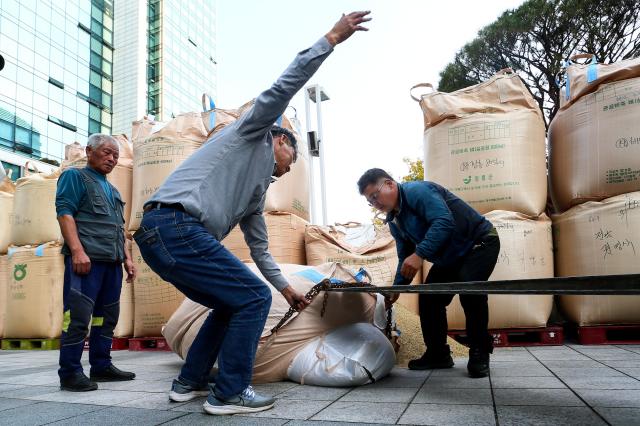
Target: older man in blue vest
{"x":90,"y":214}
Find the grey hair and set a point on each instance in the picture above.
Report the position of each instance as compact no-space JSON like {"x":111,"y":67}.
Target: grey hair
{"x":98,"y":139}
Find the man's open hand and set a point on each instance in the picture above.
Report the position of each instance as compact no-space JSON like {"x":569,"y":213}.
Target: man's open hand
{"x":346,"y":26}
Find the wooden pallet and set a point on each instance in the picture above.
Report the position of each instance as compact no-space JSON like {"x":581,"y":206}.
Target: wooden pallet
{"x":148,"y":344}
{"x":509,"y":337}
{"x":30,"y":344}
{"x":608,"y":334}
{"x":117,"y":344}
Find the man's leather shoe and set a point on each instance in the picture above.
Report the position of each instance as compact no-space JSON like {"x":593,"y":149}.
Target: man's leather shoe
{"x":478,"y":365}
{"x":434,"y":359}
{"x":112,"y":374}
{"x":78,"y":383}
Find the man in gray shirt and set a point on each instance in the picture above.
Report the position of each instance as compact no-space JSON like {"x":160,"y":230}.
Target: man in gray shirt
{"x":221,"y":185}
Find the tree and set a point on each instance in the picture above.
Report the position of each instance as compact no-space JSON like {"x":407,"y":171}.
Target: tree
{"x":416,"y":170}
{"x":536,"y":38}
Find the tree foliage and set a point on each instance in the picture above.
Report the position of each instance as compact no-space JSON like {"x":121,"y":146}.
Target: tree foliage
{"x":536,"y":38}
{"x":416,"y":170}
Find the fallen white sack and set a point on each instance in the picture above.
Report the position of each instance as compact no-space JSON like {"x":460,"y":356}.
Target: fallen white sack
{"x":352,"y":355}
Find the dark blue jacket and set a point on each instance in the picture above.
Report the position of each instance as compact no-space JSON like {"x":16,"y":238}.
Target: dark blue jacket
{"x":435,"y":224}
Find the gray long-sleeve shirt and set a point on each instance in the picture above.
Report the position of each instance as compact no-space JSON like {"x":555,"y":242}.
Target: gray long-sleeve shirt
{"x":224,"y":182}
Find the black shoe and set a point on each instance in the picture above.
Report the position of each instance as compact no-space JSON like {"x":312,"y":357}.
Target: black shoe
{"x":112,"y":374}
{"x":78,"y":383}
{"x":478,"y":365}
{"x":432,"y":360}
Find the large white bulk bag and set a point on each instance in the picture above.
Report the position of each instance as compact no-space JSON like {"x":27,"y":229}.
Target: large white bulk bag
{"x":595,"y":145}
{"x":526,"y":252}
{"x":34,"y":218}
{"x":352,"y":355}
{"x":34,"y":297}
{"x":276,"y":351}
{"x":486,"y":144}
{"x":599,"y":238}
{"x":584,"y":78}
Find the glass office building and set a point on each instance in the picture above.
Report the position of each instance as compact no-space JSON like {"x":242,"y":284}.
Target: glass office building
{"x":181,"y":60}
{"x":164,"y":58}
{"x":56,"y":85}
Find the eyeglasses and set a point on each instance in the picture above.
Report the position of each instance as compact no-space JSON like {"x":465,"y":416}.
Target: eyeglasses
{"x":371,"y":199}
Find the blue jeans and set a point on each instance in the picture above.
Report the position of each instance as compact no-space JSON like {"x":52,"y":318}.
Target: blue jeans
{"x":181,"y":251}
{"x":96,"y":294}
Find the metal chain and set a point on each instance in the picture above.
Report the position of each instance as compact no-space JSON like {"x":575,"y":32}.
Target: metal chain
{"x":324,"y":285}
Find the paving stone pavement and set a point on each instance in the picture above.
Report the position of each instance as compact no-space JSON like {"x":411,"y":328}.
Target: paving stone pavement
{"x":567,"y":385}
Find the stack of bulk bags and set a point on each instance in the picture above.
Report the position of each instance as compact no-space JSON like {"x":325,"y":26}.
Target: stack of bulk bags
{"x":124,"y":327}
{"x":595,"y":155}
{"x":120,"y":176}
{"x":287,"y":200}
{"x":34,"y":296}
{"x":355,"y":245}
{"x":277,"y":352}
{"x":286,"y":239}
{"x":599,"y":238}
{"x":594,"y":139}
{"x":155,"y":300}
{"x":290,"y":193}
{"x":7,"y":190}
{"x":34,"y":219}
{"x":486,"y":144}
{"x":4,"y":278}
{"x":216,"y":119}
{"x":526,"y":252}
{"x":158,"y":149}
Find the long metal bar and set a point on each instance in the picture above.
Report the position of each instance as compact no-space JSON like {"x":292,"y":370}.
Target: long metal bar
{"x":589,"y":285}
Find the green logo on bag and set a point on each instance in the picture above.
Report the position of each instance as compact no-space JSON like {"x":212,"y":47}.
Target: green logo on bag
{"x":20,"y":272}
{"x":467,"y":180}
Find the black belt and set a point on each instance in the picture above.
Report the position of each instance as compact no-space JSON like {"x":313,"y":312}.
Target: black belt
{"x":158,"y":205}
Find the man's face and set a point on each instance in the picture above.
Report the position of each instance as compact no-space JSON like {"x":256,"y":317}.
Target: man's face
{"x":381,"y":195}
{"x":103,"y":158}
{"x":283,"y":153}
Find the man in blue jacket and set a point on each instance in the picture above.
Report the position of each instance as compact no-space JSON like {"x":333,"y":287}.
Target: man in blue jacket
{"x":430,"y":223}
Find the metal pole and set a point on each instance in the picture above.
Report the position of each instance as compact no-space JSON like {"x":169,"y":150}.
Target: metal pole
{"x":318,"y":92}
{"x":312,"y":193}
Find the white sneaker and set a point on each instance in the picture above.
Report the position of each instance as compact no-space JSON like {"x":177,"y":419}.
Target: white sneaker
{"x":182,"y":392}
{"x":247,"y":402}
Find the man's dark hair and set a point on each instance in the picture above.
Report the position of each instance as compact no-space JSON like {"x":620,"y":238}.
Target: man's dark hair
{"x":372,"y":177}
{"x":277,"y":131}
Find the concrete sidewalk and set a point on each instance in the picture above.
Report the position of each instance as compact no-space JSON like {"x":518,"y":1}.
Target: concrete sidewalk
{"x":567,"y":385}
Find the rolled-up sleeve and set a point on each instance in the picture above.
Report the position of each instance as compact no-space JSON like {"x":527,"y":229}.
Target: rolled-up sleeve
{"x":69,"y":192}
{"x":254,"y":229}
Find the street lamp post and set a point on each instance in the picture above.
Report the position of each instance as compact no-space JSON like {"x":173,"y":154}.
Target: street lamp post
{"x":317,"y":95}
